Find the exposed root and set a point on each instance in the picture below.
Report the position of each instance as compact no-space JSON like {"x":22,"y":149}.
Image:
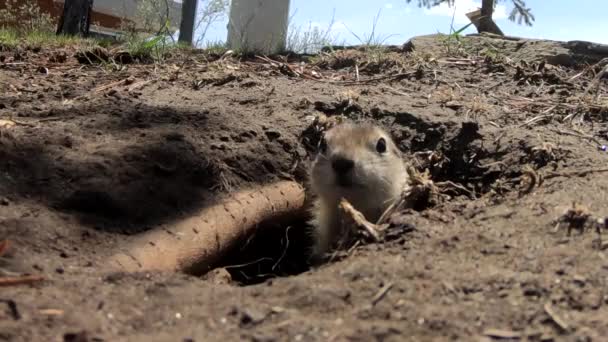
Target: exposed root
{"x":195,"y":244}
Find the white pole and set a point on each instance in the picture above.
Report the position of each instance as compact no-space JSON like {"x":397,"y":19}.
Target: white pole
{"x":258,"y":26}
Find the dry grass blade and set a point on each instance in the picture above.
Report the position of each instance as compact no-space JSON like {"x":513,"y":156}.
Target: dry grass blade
{"x":454,"y":186}
{"x":51,"y":312}
{"x":580,"y":173}
{"x":382,"y":293}
{"x":398,"y":76}
{"x":555,"y":318}
{"x":502,"y":334}
{"x":587,"y":69}
{"x":598,"y":79}
{"x":578,"y":135}
{"x":4,"y":123}
{"x":358,"y":219}
{"x":112,"y":85}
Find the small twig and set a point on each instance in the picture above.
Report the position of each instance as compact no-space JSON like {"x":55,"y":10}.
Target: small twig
{"x":360,"y":220}
{"x":382,"y":293}
{"x":353,"y":247}
{"x":591,"y":67}
{"x":460,"y":187}
{"x":502,"y":334}
{"x":17,"y":122}
{"x":599,"y":78}
{"x":140,"y":84}
{"x":392,"y":208}
{"x":110,"y":85}
{"x":56,"y":118}
{"x":582,"y":136}
{"x":11,"y":281}
{"x":51,"y":312}
{"x":555,"y":318}
{"x":537,"y":118}
{"x":495,"y":85}
{"x":394,"y":91}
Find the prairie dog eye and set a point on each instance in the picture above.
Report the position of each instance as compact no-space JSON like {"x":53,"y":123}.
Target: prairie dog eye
{"x":381,"y":145}
{"x":323,"y":145}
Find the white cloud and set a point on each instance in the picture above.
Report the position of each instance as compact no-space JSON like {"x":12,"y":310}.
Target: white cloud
{"x":461,"y":8}
{"x":388,"y":5}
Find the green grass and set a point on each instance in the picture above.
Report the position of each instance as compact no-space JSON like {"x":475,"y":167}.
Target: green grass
{"x":216,"y":47}
{"x":372,"y":40}
{"x":12,"y":38}
{"x":152,"y":49}
{"x":8,"y":38}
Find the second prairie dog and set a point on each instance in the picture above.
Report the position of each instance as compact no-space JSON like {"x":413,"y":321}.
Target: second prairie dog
{"x":358,"y":162}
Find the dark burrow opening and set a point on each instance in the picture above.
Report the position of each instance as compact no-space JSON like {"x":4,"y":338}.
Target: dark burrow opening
{"x":275,"y":250}
{"x":278,"y":250}
{"x":282,"y":249}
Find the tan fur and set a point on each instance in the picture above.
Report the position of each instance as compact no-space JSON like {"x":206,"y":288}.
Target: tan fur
{"x":377,"y":179}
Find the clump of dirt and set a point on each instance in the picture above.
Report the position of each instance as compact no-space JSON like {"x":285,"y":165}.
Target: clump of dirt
{"x":506,"y":138}
{"x":367,"y":61}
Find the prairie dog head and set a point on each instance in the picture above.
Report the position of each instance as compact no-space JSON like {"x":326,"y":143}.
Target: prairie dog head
{"x":359,"y":162}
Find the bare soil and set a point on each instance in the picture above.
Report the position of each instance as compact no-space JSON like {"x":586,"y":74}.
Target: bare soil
{"x":93,"y":153}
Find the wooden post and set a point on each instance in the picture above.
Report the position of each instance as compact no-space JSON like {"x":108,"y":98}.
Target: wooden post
{"x":186,"y":28}
{"x":76,"y":17}
{"x":258,"y":26}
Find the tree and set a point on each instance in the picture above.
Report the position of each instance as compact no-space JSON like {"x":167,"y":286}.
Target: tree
{"x":186,"y":29}
{"x":519,"y":13}
{"x":76,"y":17}
{"x":211,"y":12}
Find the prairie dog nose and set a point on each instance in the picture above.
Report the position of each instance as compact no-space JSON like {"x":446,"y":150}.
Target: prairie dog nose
{"x":342,"y":165}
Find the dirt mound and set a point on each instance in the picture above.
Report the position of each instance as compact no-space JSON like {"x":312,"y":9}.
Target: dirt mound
{"x":510,"y":139}
{"x":570,"y":53}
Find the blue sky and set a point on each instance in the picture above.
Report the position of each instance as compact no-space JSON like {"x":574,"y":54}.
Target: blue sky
{"x":555,"y":19}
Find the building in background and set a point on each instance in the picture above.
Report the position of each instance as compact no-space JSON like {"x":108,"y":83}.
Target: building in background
{"x":109,"y":16}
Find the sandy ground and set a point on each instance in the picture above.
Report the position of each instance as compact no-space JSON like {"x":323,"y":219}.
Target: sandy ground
{"x":90,"y":154}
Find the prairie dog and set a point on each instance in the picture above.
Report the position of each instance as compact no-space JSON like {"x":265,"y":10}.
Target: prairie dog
{"x":358,"y":162}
